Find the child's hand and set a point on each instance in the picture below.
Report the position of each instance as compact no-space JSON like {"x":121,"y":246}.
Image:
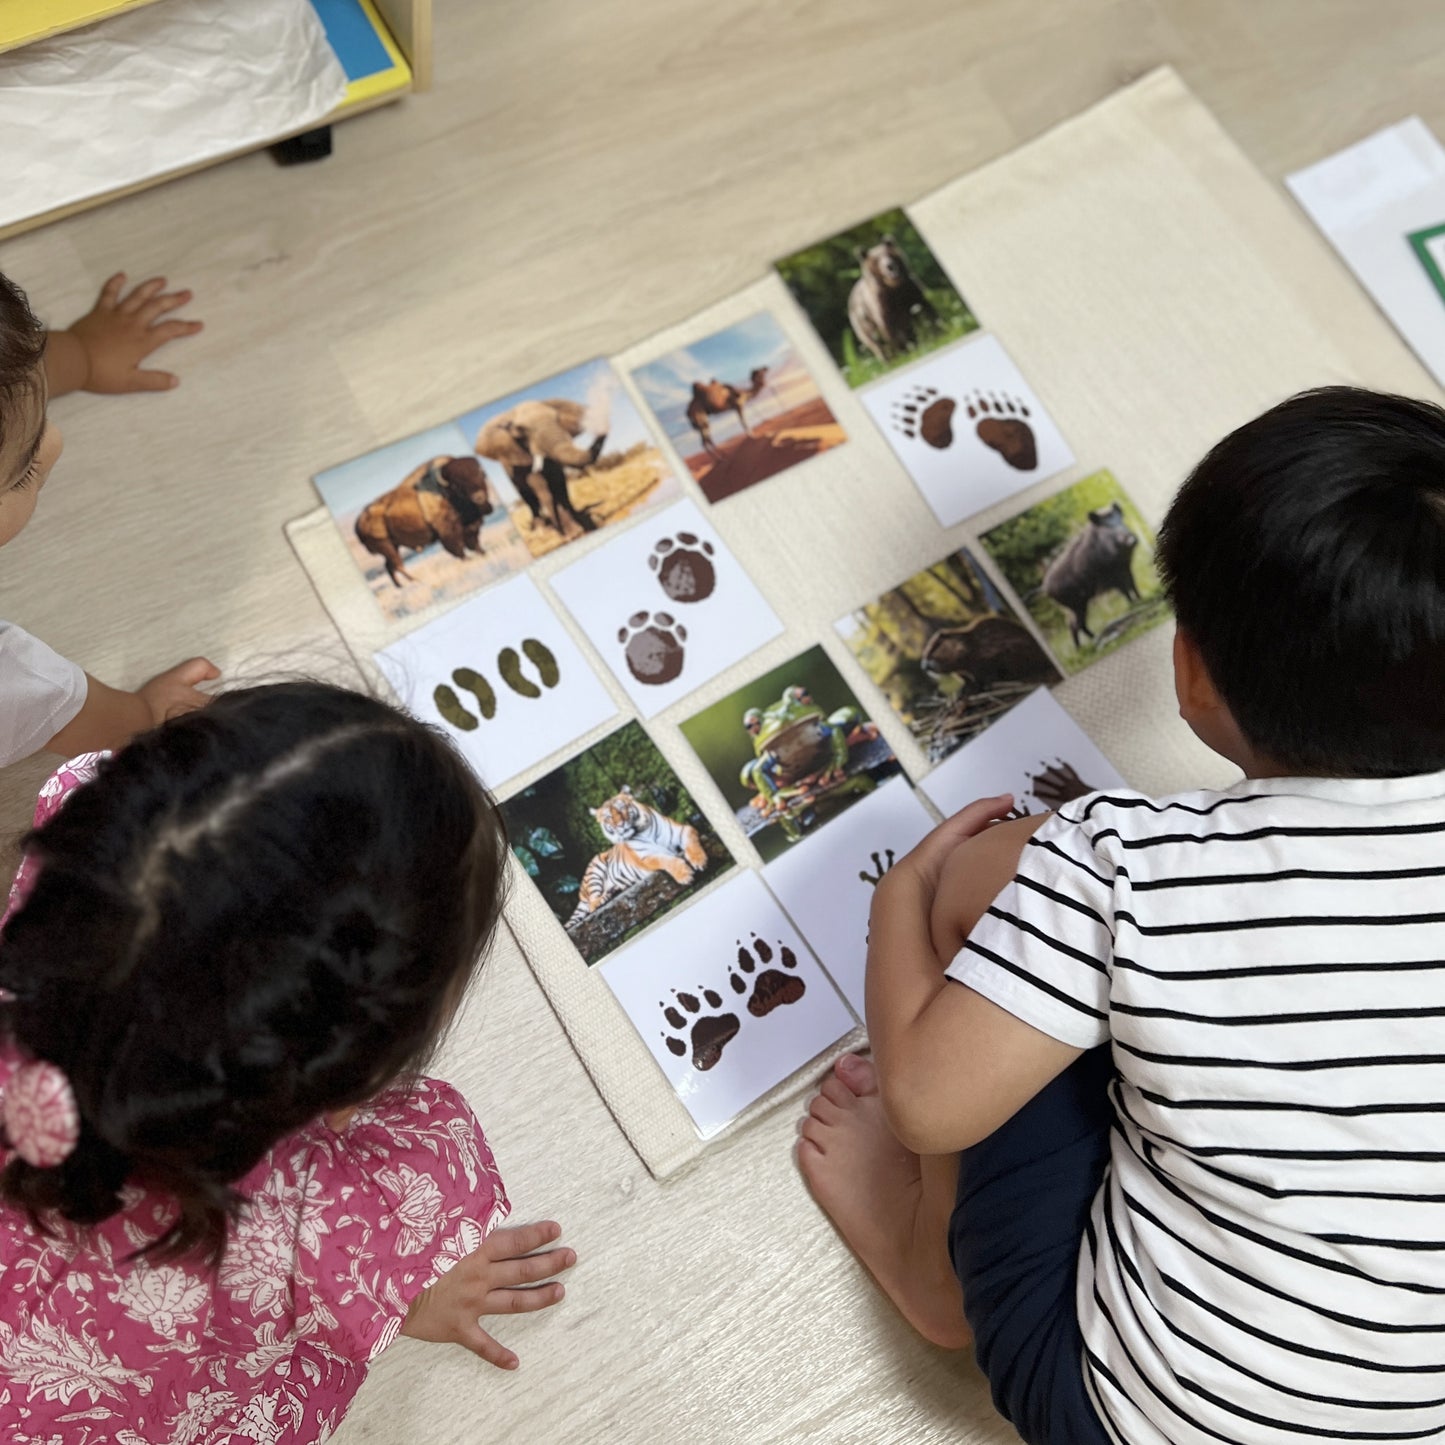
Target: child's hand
{"x":170,"y":693}
{"x":119,"y":332}
{"x":924,"y":865}
{"x":501,"y":1278}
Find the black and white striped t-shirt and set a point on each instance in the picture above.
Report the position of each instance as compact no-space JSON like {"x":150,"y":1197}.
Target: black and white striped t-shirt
{"x":1265,"y":1261}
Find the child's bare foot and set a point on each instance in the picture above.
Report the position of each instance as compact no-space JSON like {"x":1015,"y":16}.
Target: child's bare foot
{"x":873,"y":1189}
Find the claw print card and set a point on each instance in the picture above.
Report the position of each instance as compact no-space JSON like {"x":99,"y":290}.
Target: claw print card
{"x":668,"y":607}
{"x":729,"y":1000}
{"x":502,"y":676}
{"x":968,"y":428}
{"x":826,"y":883}
{"x":1036,"y":751}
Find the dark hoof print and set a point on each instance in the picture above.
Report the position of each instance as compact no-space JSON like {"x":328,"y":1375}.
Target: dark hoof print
{"x":509,"y":664}
{"x":540,"y":656}
{"x":652,"y":643}
{"x":684,"y":567}
{"x":449,"y":705}
{"x":479,"y":688}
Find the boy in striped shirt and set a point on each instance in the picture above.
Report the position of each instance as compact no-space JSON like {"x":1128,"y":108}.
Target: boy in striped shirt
{"x":1158,"y":1084}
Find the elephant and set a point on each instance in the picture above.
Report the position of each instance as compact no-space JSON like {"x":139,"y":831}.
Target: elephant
{"x":538,"y":436}
{"x":444,"y":500}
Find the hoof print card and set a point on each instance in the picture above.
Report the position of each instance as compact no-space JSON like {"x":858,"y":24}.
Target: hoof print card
{"x":739,"y":406}
{"x":1083,"y":561}
{"x":948,"y":652}
{"x":729,"y":1000}
{"x":826,"y":883}
{"x":790,"y":751}
{"x":613,"y":841}
{"x":968,"y":429}
{"x":503,"y":677}
{"x":668,"y":607}
{"x":1038,"y":753}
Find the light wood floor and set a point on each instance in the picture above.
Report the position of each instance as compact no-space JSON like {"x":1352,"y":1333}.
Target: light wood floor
{"x":583,"y":174}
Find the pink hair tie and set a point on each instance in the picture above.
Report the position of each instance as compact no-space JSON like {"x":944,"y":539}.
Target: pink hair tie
{"x":40,"y":1114}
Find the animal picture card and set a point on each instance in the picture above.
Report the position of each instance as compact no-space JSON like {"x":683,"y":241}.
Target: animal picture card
{"x":422,"y":522}
{"x":1038,"y":753}
{"x":613,"y":840}
{"x":877,"y":296}
{"x":968,"y":428}
{"x":1083,"y":561}
{"x":739,"y":406}
{"x":728,"y":999}
{"x":1429,"y":246}
{"x":667,"y":605}
{"x":502,"y":677}
{"x":826,"y":883}
{"x":790,"y":750}
{"x":575,"y":452}
{"x":947,"y":651}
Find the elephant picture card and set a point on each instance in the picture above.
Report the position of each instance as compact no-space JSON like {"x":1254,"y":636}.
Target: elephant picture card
{"x":1036,"y":751}
{"x":739,"y":406}
{"x":422,"y":522}
{"x":502,"y":677}
{"x":826,"y":883}
{"x":575,"y":453}
{"x":968,"y":429}
{"x":728,"y":999}
{"x":667,"y":605}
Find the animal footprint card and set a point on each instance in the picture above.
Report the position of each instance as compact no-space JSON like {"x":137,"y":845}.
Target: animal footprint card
{"x":968,"y":428}
{"x":503,"y":678}
{"x":613,"y":840}
{"x":729,"y":1000}
{"x":826,"y":883}
{"x":422,"y":521}
{"x":947,"y":651}
{"x":790,"y":751}
{"x":877,"y":296}
{"x":1083,"y":561}
{"x":1037,"y":752}
{"x":739,"y":406}
{"x":668,"y":606}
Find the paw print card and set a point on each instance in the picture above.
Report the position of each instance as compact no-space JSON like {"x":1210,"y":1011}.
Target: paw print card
{"x":502,"y":677}
{"x":968,"y":428}
{"x":667,"y":605}
{"x":728,"y":999}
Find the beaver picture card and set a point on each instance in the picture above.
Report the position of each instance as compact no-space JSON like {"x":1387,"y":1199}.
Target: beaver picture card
{"x":502,"y":677}
{"x":728,"y":999}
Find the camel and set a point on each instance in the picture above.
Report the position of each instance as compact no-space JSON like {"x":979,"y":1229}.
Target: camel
{"x":711,"y":398}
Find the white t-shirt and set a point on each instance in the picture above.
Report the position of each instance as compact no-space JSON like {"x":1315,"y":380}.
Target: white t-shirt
{"x":1265,"y":1260}
{"x":40,"y":691}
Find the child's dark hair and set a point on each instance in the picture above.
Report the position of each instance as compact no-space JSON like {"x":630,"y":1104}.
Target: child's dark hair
{"x":255,"y":914}
{"x":22,"y":348}
{"x":1305,"y":557}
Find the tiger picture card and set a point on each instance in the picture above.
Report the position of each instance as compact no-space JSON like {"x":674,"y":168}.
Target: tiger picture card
{"x":613,"y":840}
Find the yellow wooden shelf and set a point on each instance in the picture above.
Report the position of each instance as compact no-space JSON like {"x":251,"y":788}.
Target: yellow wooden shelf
{"x":22,"y":22}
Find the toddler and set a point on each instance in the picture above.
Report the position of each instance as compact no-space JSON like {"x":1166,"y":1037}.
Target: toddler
{"x":230,"y":950}
{"x":1190,"y":1047}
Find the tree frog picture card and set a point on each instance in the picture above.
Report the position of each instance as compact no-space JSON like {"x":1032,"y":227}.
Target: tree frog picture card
{"x":728,"y":999}
{"x":1429,"y":246}
{"x":667,"y":605}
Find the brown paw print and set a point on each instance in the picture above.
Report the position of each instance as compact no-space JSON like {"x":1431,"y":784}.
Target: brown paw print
{"x":652,"y":643}
{"x":772,"y":988}
{"x":922,"y":412}
{"x":711,"y":1033}
{"x":1057,"y":784}
{"x":684,"y":567}
{"x":1000,"y":422}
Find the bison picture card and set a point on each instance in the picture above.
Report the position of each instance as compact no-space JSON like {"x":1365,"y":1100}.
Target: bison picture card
{"x":968,"y":428}
{"x":728,"y":999}
{"x":667,"y":605}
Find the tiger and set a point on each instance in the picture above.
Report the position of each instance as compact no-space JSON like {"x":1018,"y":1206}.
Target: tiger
{"x":643,"y":840}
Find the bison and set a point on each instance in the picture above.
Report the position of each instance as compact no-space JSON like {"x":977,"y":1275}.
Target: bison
{"x":1098,"y":559}
{"x":444,"y":500}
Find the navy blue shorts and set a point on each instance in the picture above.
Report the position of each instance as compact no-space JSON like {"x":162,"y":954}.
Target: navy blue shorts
{"x":1024,"y":1196}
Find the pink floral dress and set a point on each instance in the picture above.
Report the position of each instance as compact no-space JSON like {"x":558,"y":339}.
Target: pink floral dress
{"x":341,"y":1233}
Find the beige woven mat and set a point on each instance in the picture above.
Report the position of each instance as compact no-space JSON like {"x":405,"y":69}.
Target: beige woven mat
{"x":1155,"y":290}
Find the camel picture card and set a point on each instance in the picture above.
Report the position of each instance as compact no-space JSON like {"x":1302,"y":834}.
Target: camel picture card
{"x":667,"y":605}
{"x":877,"y":296}
{"x":1036,"y":751}
{"x":613,"y":840}
{"x":826,"y":883}
{"x":968,"y":429}
{"x":728,"y":999}
{"x":422,"y":521}
{"x":1083,"y":562}
{"x":573,"y":450}
{"x":948,"y":651}
{"x":739,"y":406}
{"x":502,"y":677}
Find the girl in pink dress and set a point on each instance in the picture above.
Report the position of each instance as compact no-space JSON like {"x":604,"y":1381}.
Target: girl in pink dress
{"x":224,"y":1187}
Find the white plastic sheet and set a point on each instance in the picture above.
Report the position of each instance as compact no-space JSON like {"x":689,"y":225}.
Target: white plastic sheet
{"x":168,"y":86}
